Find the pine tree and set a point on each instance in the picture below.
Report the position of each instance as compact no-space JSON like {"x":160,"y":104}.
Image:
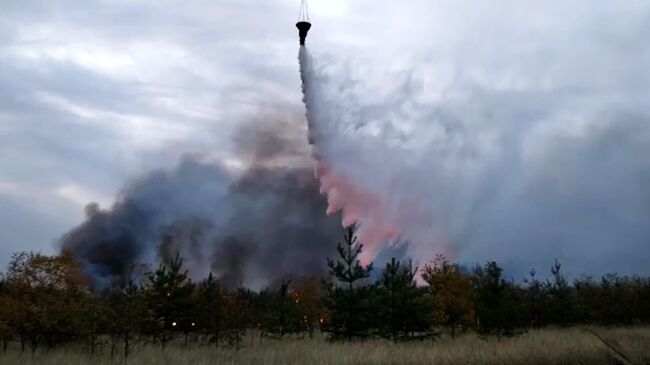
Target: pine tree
{"x":282,"y":314}
{"x":402,"y":307}
{"x":498,"y":307}
{"x":127,"y":314}
{"x":308,"y":295}
{"x":210,"y":316}
{"x":347,"y":300}
{"x":262,"y":311}
{"x":5,"y":314}
{"x":560,"y":298}
{"x":237,"y":316}
{"x":534,"y":301}
{"x":169,"y":294}
{"x":588,"y":302}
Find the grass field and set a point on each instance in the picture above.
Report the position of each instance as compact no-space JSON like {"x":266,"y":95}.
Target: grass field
{"x":549,"y":346}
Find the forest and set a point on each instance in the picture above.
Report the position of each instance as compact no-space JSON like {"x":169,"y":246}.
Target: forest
{"x":47,"y":302}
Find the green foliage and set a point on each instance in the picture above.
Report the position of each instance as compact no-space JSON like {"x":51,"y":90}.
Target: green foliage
{"x":613,"y":300}
{"x":401,"y":306}
{"x":219,"y":315}
{"x":237,"y":317}
{"x":498,"y":305}
{"x":348,"y":269}
{"x":284,"y":316}
{"x":560,"y":301}
{"x":126,"y":314}
{"x":5,"y":314}
{"x":347,"y":300}
{"x":209,"y":318}
{"x":277,"y":311}
{"x":307,"y":294}
{"x":45,"y":303}
{"x":169,"y":296}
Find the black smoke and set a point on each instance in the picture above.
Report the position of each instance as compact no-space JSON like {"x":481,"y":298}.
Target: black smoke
{"x":249,"y":226}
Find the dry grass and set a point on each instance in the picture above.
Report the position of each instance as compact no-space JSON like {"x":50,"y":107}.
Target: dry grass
{"x":549,"y":346}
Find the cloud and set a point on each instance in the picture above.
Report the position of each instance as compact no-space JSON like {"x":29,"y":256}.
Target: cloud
{"x":80,"y":195}
{"x":95,"y":94}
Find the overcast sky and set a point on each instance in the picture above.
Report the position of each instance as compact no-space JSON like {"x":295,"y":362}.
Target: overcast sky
{"x":95,"y":93}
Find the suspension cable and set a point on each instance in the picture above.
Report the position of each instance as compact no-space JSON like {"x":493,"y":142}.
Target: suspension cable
{"x":303,"y":14}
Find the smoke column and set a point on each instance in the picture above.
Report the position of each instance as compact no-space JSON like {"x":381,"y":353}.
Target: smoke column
{"x":252,"y":227}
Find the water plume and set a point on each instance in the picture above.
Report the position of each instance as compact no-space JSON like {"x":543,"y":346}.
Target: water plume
{"x":478,"y":172}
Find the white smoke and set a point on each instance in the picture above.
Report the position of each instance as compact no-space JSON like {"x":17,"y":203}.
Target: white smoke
{"x":396,"y":181}
{"x":537,"y":160}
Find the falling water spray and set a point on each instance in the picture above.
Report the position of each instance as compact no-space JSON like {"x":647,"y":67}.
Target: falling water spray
{"x":358,"y":204}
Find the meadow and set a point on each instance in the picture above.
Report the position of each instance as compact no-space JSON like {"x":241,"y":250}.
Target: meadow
{"x":543,"y":346}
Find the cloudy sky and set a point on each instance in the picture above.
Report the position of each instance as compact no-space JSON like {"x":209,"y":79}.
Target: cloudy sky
{"x":96,"y":93}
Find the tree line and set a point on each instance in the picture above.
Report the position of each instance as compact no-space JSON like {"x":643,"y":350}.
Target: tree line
{"x":46,"y":302}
